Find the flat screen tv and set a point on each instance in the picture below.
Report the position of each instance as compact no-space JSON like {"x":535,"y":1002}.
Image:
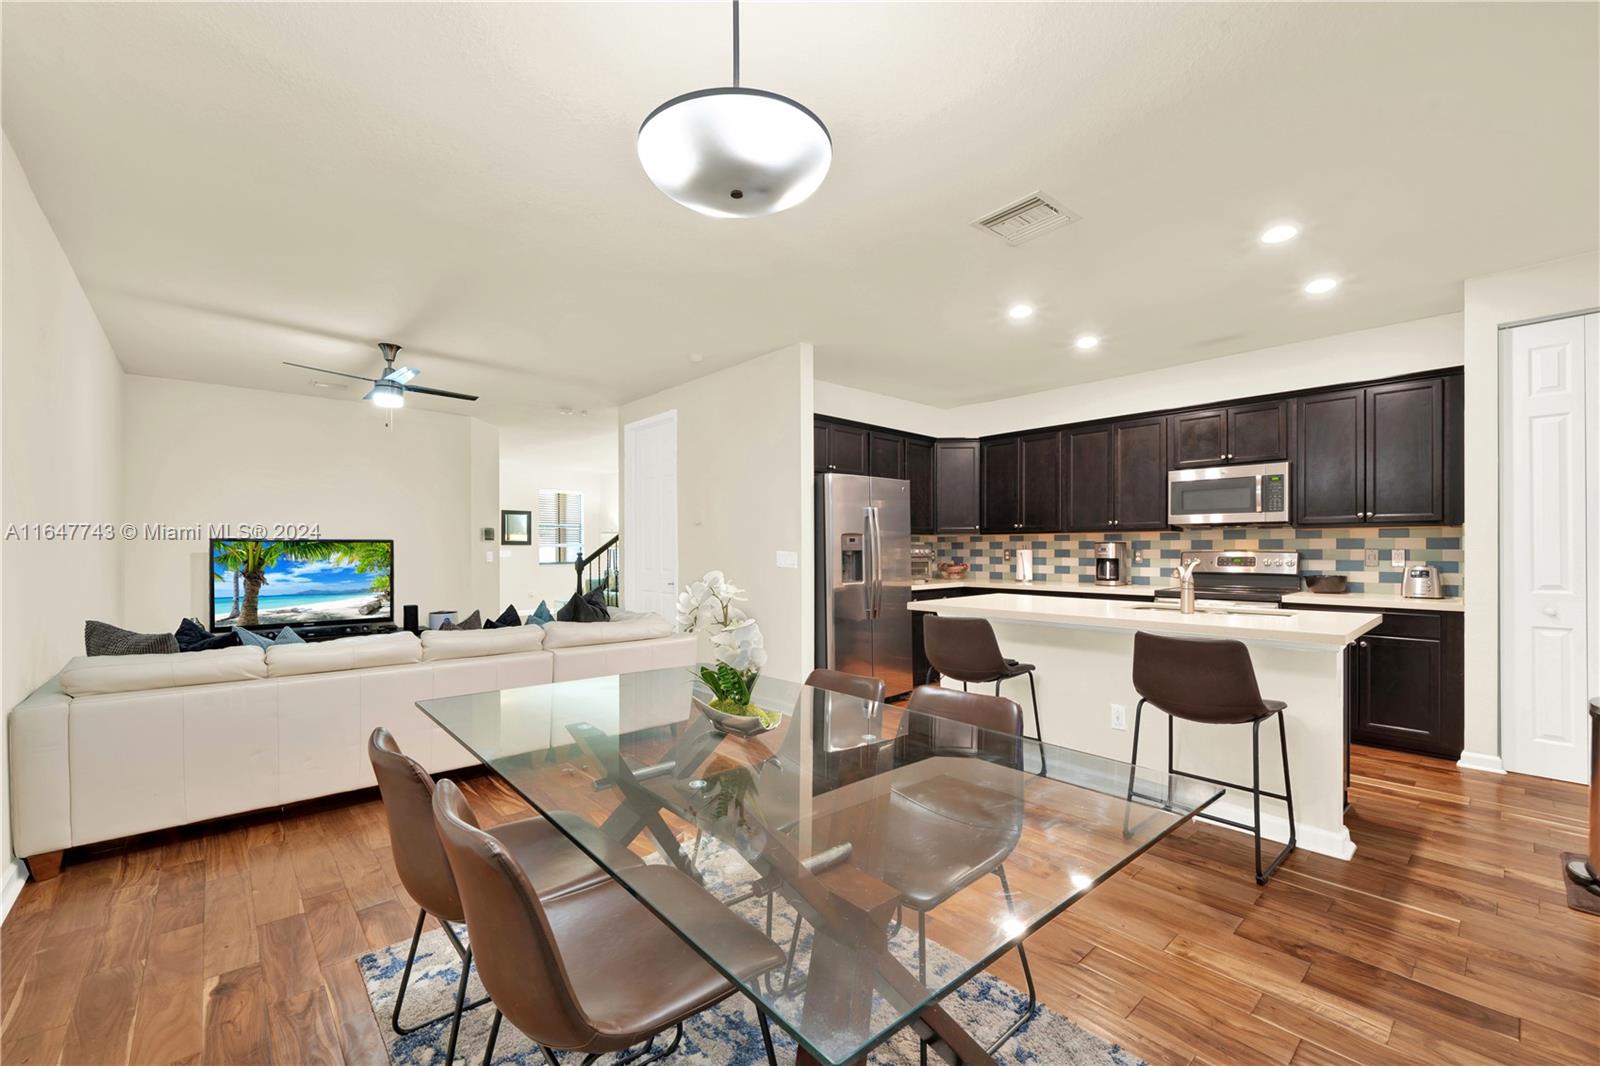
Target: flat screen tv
{"x":266,"y":584}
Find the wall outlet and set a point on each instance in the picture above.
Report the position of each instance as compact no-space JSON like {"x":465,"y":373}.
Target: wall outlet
{"x":1119,"y":716}
{"x":1372,"y":557}
{"x":788,"y":560}
{"x":1397,"y":558}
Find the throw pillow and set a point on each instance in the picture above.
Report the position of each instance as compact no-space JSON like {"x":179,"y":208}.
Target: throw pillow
{"x":508,"y":617}
{"x":583,"y":609}
{"x":103,"y":638}
{"x":471,"y":621}
{"x":192,"y":636}
{"x":260,"y":640}
{"x":541,"y":615}
{"x":597,"y":600}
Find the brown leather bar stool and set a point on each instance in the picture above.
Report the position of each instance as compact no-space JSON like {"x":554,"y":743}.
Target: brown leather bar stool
{"x":864,"y":688}
{"x":591,"y":970}
{"x":945,"y":838}
{"x":1212,"y":682}
{"x":965,"y":649}
{"x":556,"y":864}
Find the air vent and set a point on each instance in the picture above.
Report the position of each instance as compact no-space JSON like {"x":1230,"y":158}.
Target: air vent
{"x":1024,"y":220}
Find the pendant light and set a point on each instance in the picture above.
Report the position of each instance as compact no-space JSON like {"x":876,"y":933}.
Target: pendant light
{"x":734,"y":152}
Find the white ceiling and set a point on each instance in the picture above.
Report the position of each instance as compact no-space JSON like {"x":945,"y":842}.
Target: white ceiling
{"x":243,"y":184}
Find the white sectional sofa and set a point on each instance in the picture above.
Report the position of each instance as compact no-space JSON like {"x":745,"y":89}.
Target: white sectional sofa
{"x":117,"y":745}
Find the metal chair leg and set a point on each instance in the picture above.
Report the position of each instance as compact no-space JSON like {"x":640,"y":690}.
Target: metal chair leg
{"x":1027,"y":974}
{"x":1263,"y":876}
{"x":766,"y":1036}
{"x":461,"y":999}
{"x":494,"y":1034}
{"x":1038,"y":730}
{"x":405,"y":979}
{"x":922,"y":948}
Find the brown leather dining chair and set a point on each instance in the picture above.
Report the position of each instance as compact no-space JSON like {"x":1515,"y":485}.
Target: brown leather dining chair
{"x":1211,"y":682}
{"x":965,"y":650}
{"x":863,"y":688}
{"x":948,"y":836}
{"x":555,"y":863}
{"x":591,"y":970}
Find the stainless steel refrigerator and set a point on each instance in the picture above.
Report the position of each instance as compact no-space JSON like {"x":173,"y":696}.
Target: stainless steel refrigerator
{"x":864,"y":577}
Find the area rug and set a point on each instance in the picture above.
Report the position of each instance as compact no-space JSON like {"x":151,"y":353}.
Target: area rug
{"x":728,"y":1034}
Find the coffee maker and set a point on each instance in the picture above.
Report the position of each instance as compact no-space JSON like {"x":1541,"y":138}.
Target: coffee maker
{"x":1113,"y":563}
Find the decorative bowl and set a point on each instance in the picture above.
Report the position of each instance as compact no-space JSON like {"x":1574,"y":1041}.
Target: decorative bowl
{"x":953,"y":569}
{"x":736,"y":725}
{"x":1326,"y":583}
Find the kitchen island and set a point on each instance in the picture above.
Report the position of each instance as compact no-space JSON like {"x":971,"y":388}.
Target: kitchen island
{"x":1083,"y":653}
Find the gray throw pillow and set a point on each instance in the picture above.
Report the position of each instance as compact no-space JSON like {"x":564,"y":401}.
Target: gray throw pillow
{"x":103,"y":638}
{"x":471,"y":621}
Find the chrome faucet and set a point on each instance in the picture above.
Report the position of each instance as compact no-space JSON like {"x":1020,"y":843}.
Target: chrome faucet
{"x":1185,"y":576}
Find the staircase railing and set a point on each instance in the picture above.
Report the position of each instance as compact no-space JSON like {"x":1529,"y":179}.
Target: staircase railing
{"x":602,"y":565}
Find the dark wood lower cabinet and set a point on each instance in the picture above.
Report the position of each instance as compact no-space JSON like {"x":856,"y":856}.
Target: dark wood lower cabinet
{"x":1405,"y":685}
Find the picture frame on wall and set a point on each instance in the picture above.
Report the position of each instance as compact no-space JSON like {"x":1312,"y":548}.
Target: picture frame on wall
{"x":516,"y":527}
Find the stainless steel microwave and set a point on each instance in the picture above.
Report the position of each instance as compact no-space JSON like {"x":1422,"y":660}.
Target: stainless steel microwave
{"x":1228,"y":495}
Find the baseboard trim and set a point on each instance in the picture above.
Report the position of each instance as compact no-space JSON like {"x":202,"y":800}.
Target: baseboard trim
{"x":1476,"y":760}
{"x":12,"y":877}
{"x":1336,"y":844}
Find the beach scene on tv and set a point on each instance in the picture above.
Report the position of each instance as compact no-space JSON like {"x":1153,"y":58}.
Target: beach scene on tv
{"x":299,"y":582}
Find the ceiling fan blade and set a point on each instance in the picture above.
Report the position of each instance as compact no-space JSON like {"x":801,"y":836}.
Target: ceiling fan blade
{"x":324,"y":370}
{"x":401,"y":374}
{"x":438,"y":392}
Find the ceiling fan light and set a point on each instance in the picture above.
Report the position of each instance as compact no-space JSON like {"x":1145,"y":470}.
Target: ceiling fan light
{"x":733,"y":152}
{"x":387,"y":394}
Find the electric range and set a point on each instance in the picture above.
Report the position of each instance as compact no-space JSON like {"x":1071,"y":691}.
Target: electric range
{"x":1241,"y":576}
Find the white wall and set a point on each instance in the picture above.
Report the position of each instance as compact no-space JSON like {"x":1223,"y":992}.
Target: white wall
{"x":1402,"y":348}
{"x":483,"y":512}
{"x":60,"y":389}
{"x":530,"y":460}
{"x":1490,"y":302}
{"x":195,"y":453}
{"x":744,"y":489}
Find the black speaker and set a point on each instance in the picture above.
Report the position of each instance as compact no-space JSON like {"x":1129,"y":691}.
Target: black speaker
{"x":409,"y":616}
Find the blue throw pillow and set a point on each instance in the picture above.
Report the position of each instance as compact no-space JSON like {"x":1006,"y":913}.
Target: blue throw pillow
{"x":541,"y":615}
{"x":253,"y":639}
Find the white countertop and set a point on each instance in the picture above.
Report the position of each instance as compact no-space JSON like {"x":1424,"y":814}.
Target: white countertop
{"x":1010,"y":584}
{"x":1374,"y":601}
{"x":1304,"y":629}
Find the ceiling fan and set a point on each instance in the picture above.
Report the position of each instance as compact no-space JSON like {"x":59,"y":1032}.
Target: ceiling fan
{"x":389,"y":389}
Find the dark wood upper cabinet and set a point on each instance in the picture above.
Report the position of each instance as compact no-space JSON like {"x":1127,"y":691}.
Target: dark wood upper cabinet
{"x":1246,"y":433}
{"x":1001,"y":481}
{"x":1330,"y":469}
{"x":847,"y":449}
{"x":955,"y":491}
{"x":886,"y":455}
{"x":1199,"y":438}
{"x":1141,"y":474}
{"x":1405,"y":452}
{"x":1258,"y":432}
{"x":1040,"y":488}
{"x":919,"y":471}
{"x":1089,"y":481}
{"x":819,"y":447}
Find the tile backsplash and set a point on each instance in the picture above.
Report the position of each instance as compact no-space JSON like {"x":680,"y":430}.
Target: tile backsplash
{"x":1069,"y":557}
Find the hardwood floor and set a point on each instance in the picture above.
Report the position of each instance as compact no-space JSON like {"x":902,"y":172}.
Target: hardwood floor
{"x":1447,"y":939}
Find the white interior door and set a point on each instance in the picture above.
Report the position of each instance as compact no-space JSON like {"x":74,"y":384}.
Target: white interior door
{"x":1547,"y":546}
{"x":650,"y":515}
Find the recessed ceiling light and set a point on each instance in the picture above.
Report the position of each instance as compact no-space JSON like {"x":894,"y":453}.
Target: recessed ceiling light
{"x":1018,"y":312}
{"x":1283,"y":231}
{"x":1086,"y":342}
{"x":1321,"y":286}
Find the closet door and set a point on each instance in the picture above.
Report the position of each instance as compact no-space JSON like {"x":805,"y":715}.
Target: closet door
{"x":1547,"y":546}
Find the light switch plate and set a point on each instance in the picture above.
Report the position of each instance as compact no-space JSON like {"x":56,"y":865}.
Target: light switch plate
{"x":488,"y":557}
{"x":789,"y":560}
{"x":1397,"y":558}
{"x":1372,"y":557}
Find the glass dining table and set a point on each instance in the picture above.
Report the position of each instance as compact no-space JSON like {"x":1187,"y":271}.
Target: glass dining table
{"x":890,"y":855}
